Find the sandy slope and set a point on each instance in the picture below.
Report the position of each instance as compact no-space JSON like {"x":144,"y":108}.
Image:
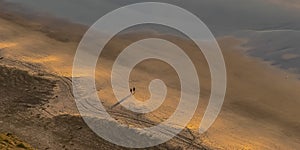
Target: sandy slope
{"x":260,"y":110}
{"x":51,"y":121}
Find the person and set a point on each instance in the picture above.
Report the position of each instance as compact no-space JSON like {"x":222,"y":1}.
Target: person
{"x":131,"y":90}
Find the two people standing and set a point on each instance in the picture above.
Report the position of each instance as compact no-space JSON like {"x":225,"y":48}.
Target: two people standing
{"x":132,"y":91}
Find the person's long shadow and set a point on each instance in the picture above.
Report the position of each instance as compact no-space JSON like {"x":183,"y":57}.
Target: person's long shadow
{"x":121,"y":101}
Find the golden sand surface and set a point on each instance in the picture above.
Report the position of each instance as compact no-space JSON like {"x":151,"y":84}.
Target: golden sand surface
{"x":260,"y":111}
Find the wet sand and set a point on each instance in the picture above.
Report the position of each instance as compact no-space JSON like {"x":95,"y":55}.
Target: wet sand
{"x":260,"y":109}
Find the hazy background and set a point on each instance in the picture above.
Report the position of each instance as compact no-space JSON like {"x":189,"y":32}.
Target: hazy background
{"x":272,"y":27}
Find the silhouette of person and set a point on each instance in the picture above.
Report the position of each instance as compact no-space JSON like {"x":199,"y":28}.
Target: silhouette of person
{"x":131,"y":90}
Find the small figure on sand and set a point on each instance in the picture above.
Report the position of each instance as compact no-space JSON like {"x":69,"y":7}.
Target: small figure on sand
{"x":133,"y":90}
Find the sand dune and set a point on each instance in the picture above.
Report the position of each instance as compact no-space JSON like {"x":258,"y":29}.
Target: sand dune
{"x":260,"y":109}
